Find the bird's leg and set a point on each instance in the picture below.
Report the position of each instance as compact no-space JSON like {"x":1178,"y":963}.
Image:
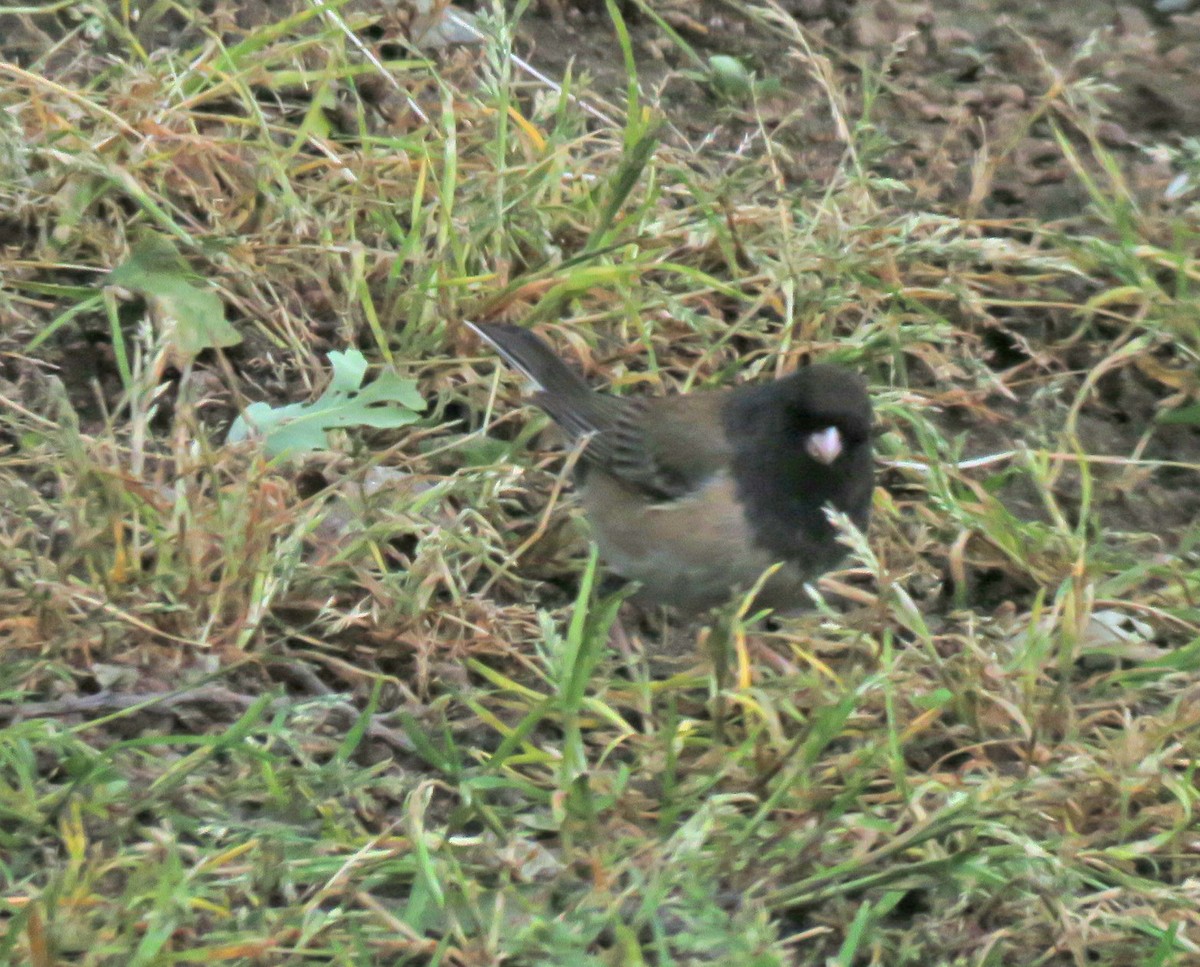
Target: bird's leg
{"x":716,"y":639}
{"x":619,"y":639}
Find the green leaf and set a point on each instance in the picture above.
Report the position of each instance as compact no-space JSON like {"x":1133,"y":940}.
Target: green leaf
{"x":301,"y":427}
{"x":729,"y":76}
{"x":191,"y":316}
{"x":1185,"y":414}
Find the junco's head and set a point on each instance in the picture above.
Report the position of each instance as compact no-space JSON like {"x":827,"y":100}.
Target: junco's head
{"x":696,"y":496}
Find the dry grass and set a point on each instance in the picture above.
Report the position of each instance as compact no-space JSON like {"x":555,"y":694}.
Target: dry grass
{"x":358,"y":706}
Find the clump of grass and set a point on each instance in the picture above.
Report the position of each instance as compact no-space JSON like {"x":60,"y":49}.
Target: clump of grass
{"x":359,"y":705}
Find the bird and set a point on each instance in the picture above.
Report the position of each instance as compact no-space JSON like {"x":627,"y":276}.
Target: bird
{"x":695,"y":496}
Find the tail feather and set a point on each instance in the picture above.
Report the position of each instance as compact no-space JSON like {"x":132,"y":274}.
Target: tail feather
{"x":561,"y":391}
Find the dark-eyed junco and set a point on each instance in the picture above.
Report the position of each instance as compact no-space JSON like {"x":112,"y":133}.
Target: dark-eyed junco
{"x":695,"y":496}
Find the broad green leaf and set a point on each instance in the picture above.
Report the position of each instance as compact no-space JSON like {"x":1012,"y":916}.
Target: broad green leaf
{"x":301,"y":427}
{"x":189,"y":313}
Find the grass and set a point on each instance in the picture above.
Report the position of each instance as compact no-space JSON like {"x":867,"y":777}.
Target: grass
{"x":359,"y":706}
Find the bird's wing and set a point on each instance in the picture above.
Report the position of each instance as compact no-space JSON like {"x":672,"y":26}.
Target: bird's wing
{"x":666,"y":447}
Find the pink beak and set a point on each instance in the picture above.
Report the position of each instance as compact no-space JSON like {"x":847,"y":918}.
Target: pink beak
{"x":824,"y":445}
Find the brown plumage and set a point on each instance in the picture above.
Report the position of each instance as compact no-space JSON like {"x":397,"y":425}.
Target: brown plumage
{"x":695,"y":496}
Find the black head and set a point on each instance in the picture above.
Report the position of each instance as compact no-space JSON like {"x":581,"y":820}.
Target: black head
{"x":823,"y":409}
{"x":799,"y":444}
